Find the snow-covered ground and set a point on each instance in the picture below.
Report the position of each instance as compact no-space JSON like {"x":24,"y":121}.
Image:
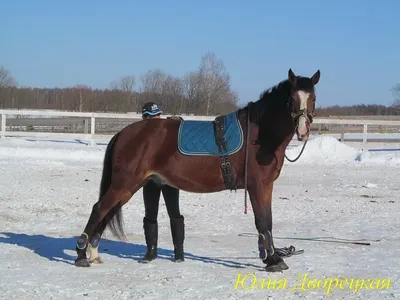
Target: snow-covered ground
{"x":333,"y":190}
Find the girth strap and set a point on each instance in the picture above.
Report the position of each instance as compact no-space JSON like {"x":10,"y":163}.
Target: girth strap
{"x":220,"y":140}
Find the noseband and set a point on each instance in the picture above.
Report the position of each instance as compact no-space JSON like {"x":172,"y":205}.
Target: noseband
{"x":302,"y":112}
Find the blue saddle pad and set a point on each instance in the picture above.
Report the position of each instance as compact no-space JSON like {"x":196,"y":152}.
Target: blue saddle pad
{"x":198,"y":138}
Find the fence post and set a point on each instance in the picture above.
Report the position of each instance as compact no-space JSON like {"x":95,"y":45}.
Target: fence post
{"x":342,"y":133}
{"x":365,"y":133}
{"x":92,"y":131}
{"x":85,"y":126}
{"x":3,"y":126}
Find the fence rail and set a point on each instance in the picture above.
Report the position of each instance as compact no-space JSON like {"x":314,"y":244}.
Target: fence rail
{"x":65,"y":124}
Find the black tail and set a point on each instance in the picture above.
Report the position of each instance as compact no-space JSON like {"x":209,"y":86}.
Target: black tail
{"x":114,"y":217}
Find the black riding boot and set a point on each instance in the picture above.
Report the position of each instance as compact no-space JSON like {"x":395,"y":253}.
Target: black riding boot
{"x":151,"y":236}
{"x":178,"y":236}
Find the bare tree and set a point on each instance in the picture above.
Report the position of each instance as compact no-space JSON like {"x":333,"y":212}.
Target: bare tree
{"x":152,"y":81}
{"x":125,"y":83}
{"x":6,"y":79}
{"x":208,"y":91}
{"x":152,"y":86}
{"x":214,"y":81}
{"x":164,"y":89}
{"x":396,"y":94}
{"x":81,"y":92}
{"x":128,"y":83}
{"x":173,"y":94}
{"x":191,"y":91}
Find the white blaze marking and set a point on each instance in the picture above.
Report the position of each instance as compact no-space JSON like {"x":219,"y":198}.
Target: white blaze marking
{"x":302,"y":120}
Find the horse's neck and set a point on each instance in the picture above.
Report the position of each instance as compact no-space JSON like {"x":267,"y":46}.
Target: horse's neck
{"x":287,"y":140}
{"x":276,"y":130}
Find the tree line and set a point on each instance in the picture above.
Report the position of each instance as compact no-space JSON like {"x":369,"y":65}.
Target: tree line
{"x":205,"y":91}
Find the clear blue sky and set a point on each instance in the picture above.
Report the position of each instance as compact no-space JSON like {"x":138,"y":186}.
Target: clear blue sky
{"x":355,"y":43}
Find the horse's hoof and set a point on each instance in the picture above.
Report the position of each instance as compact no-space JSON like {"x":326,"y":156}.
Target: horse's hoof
{"x":82,"y":262}
{"x":279,"y":267}
{"x":96,"y":260}
{"x":283,"y":265}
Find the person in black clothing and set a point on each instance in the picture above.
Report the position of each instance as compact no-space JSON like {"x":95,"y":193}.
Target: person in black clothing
{"x":151,"y":195}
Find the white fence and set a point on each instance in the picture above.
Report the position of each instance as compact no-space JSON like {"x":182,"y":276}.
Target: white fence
{"x":84,"y":115}
{"x":134,"y":116}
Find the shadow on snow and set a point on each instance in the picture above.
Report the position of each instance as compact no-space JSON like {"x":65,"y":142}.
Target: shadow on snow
{"x":54,"y":249}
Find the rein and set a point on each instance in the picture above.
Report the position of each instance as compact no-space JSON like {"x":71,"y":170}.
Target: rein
{"x":245,"y":162}
{"x":301,"y":152}
{"x":309,"y":118}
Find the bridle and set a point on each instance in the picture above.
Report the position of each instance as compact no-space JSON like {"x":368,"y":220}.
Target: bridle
{"x":302,"y":112}
{"x":295,"y":117}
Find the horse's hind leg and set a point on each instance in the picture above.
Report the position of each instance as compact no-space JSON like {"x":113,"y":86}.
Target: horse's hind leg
{"x":93,"y":246}
{"x":94,"y":242}
{"x":109,"y":200}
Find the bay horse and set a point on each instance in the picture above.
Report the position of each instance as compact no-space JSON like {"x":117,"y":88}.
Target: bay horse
{"x":241,"y":150}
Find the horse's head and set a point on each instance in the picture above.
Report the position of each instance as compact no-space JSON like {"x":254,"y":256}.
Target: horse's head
{"x":302,"y":102}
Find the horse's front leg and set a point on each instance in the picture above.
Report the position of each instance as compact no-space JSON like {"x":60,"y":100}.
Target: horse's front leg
{"x":261,"y":200}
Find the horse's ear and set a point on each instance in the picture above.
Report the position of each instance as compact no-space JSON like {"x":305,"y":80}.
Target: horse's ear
{"x":292,"y":78}
{"x":315,"y":77}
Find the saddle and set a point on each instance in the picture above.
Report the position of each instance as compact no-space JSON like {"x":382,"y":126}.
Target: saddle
{"x":221,"y":137}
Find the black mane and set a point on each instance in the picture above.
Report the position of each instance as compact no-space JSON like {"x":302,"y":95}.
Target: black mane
{"x":275,"y":99}
{"x":272,"y":100}
{"x":272,"y":113}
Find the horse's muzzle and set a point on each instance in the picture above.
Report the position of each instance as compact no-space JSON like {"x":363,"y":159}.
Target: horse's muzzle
{"x":303,"y":128}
